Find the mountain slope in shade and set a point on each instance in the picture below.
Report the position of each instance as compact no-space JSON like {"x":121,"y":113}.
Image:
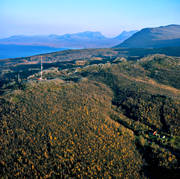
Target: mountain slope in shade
{"x":164,"y":36}
{"x":77,"y":40}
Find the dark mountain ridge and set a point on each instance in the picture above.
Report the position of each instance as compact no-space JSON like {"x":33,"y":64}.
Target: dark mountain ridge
{"x":163,"y":36}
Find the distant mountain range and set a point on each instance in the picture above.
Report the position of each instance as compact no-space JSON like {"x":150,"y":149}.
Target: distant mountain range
{"x":164,"y":36}
{"x":77,"y":40}
{"x":21,"y":45}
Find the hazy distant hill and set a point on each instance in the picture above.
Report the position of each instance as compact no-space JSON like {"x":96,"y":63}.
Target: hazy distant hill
{"x":77,"y":40}
{"x":164,"y":36}
{"x":125,"y":35}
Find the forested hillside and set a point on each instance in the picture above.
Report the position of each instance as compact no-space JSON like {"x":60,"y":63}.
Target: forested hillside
{"x":96,"y":115}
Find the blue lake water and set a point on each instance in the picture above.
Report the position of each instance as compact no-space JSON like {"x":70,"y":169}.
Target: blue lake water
{"x":14,"y":51}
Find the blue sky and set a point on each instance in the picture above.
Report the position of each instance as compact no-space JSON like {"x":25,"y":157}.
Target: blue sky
{"x":111,"y":17}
